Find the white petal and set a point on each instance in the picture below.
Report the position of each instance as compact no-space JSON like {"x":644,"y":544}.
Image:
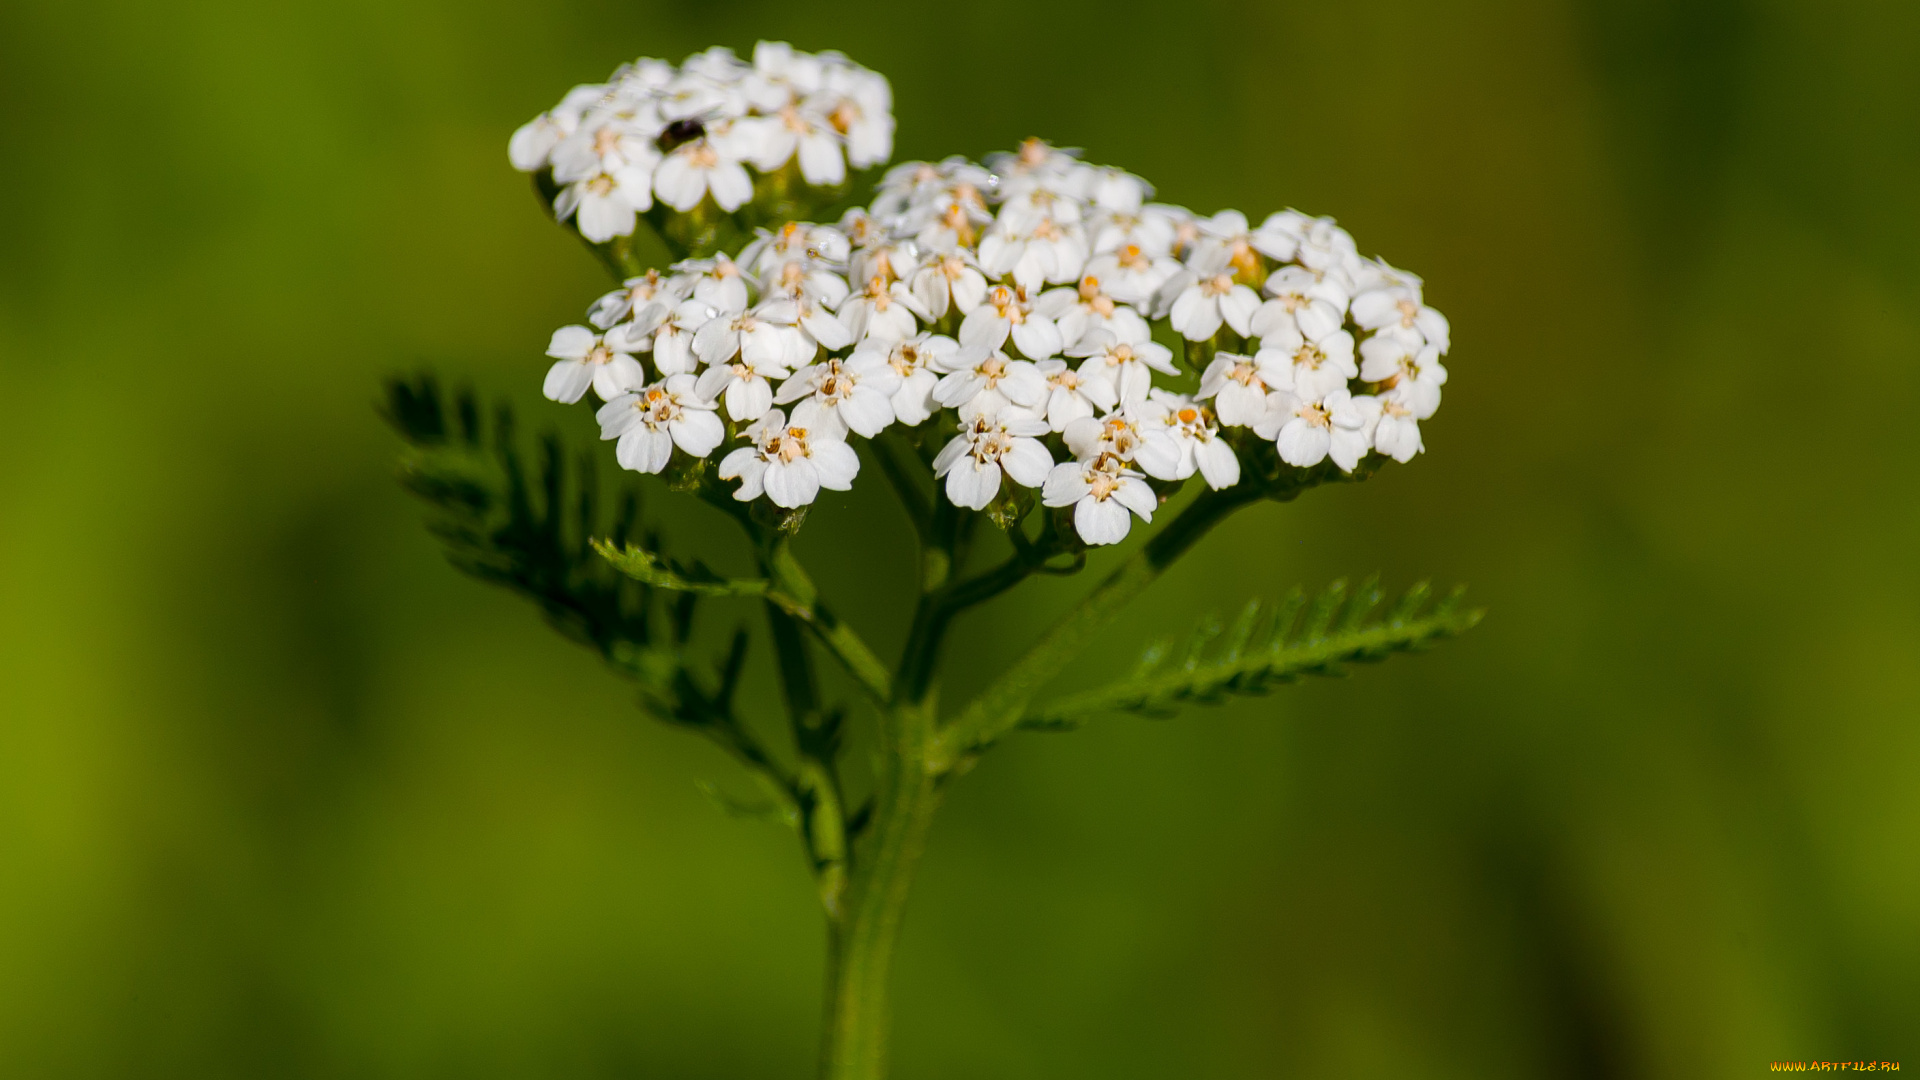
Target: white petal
{"x":1027,"y":462}
{"x":697,"y":431}
{"x":973,"y":484}
{"x":567,"y":381}
{"x":732,"y":188}
{"x":1217,"y":463}
{"x":644,"y":449}
{"x":835,"y":464}
{"x":1065,"y":485}
{"x":572,"y":343}
{"x":1101,"y":522}
{"x":1303,"y":444}
{"x":792,"y":484}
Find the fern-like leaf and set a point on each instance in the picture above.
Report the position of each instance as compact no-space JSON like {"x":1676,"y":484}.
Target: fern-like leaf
{"x":534,"y":532}
{"x":1267,"y":646}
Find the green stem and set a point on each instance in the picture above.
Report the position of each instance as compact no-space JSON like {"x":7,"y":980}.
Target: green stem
{"x":860,"y":941}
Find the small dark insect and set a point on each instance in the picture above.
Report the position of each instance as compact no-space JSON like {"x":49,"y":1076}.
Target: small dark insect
{"x":681,"y":131}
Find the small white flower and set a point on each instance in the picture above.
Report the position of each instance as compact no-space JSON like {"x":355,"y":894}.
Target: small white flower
{"x":1008,"y":313}
{"x":949,"y":279}
{"x":1130,"y":274}
{"x":1226,"y":238}
{"x":1074,"y":395}
{"x":606,"y":143}
{"x":1397,"y":434}
{"x":1043,"y":251}
{"x":634,"y":298}
{"x":1321,"y":245}
{"x":742,"y":384}
{"x":1128,"y":365}
{"x":1087,"y":308}
{"x":1118,"y":191}
{"x":1313,"y":368}
{"x":781,"y":75}
{"x":1406,"y":366}
{"x":605,"y":205}
{"x":697,"y":167}
{"x":918,"y":363}
{"x":1178,"y":436}
{"x":859,"y":105}
{"x":837,"y":396}
{"x":883,"y":311}
{"x":815,"y":247}
{"x":673,"y":339}
{"x":772,"y":141}
{"x":1314,"y":303}
{"x":1035,"y":160}
{"x":925,"y":183}
{"x":948,"y":217}
{"x":1101,"y":493}
{"x":1198,"y":303}
{"x":586,"y":359}
{"x":765,"y":338}
{"x":651,"y":422}
{"x":1239,"y":384}
{"x":717,"y":282}
{"x":1117,"y":435}
{"x":788,"y":464}
{"x":983,"y":379}
{"x":1153,"y":229}
{"x":805,"y":279}
{"x":990,"y":444}
{"x":1398,"y":308}
{"x":1308,"y":431}
{"x":534,"y":141}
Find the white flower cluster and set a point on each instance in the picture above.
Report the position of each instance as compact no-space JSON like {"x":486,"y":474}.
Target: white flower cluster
{"x":680,"y":134}
{"x":1014,"y":303}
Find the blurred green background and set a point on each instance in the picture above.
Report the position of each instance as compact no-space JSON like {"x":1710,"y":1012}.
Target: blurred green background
{"x":281,"y":795}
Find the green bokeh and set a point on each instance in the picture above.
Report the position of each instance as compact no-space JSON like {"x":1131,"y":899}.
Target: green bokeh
{"x":283,"y":796}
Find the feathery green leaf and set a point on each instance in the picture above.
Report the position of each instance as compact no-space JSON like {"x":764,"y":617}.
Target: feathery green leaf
{"x":1262,"y":650}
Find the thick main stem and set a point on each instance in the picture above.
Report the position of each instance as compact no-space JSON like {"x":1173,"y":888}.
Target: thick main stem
{"x":860,"y":940}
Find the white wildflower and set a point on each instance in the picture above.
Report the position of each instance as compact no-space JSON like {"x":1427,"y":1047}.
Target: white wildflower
{"x":990,"y":444}
{"x":635,"y":297}
{"x":1313,"y":368}
{"x":1239,"y":384}
{"x":1128,"y":365}
{"x":1307,"y":431}
{"x":1130,"y":274}
{"x":1089,"y":307}
{"x":918,"y":362}
{"x":882,"y":310}
{"x":1406,"y":366}
{"x":651,"y":422}
{"x":700,"y":166}
{"x":673,"y":338}
{"x":1043,"y":251}
{"x":1101,"y":493}
{"x":1315,"y":303}
{"x":605,"y":205}
{"x":788,"y":464}
{"x":986,"y":378}
{"x":1197,"y":303}
{"x":1074,"y":395}
{"x":948,"y":280}
{"x":1009,"y":313}
{"x":1179,"y":436}
{"x":585,"y":359}
{"x":837,"y":396}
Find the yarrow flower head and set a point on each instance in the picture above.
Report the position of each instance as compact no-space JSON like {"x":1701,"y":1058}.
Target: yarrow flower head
{"x":1034,"y":303}
{"x":1032,"y":338}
